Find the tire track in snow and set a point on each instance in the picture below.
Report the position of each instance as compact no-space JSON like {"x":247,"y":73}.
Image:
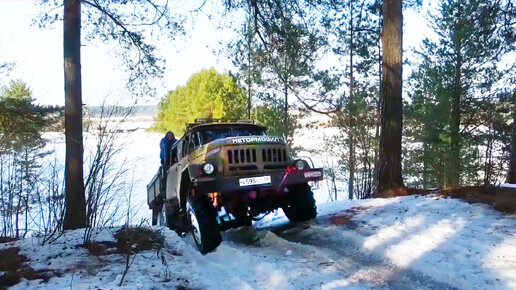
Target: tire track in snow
{"x":300,"y":266}
{"x":353,"y":258}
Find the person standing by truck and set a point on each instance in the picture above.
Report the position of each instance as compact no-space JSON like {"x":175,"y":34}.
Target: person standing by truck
{"x":165,"y":146}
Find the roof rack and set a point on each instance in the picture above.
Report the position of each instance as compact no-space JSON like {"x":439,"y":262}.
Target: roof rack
{"x":211,"y":120}
{"x":201,"y":121}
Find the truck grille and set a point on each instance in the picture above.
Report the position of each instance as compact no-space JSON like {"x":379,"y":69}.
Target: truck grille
{"x":241,"y":156}
{"x":242,"y":161}
{"x":274,"y":155}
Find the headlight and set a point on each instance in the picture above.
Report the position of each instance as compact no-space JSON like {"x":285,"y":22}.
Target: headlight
{"x":300,"y":164}
{"x":208,"y":168}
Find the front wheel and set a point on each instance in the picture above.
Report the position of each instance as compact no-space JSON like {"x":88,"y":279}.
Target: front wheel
{"x":301,"y":204}
{"x":203,"y":221}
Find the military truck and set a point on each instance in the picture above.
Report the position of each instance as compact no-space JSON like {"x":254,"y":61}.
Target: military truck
{"x":226,"y":174}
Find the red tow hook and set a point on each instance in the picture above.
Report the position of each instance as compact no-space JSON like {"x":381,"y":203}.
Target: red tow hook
{"x":290,"y":170}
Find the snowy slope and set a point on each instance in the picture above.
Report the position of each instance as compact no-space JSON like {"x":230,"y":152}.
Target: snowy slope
{"x":397,"y":243}
{"x":139,"y":157}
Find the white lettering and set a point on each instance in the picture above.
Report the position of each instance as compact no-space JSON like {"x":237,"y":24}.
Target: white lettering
{"x":256,"y":139}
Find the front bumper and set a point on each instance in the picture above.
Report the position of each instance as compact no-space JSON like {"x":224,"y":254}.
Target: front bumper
{"x":280,"y":179}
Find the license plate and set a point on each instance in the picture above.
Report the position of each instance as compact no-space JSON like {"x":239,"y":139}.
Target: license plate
{"x":313,"y":174}
{"x":254,"y":180}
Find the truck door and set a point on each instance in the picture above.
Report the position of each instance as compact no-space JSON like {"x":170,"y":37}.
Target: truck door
{"x":174,"y":171}
{"x":196,"y":141}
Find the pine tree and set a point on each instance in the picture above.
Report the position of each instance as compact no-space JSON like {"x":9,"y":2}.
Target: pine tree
{"x":75,"y":215}
{"x":106,"y":20}
{"x":470,"y":47}
{"x":281,"y":46}
{"x":427,"y":117}
{"x":391,"y":115}
{"x":21,"y":125}
{"x":455,"y":96}
{"x":357,"y":40}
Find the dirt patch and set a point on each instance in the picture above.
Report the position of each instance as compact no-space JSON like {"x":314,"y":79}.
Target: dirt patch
{"x":138,"y":239}
{"x":11,"y":260}
{"x":102,"y":248}
{"x":505,"y":200}
{"x":346,"y":217}
{"x":4,"y":240}
{"x":502,"y":199}
{"x":400,"y":191}
{"x":128,"y":240}
{"x":341,"y":219}
{"x":15,"y":266}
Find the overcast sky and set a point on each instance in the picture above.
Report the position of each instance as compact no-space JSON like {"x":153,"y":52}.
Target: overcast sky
{"x":38,"y":54}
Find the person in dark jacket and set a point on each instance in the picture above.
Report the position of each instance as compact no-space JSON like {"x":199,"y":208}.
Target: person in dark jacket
{"x":165,"y":146}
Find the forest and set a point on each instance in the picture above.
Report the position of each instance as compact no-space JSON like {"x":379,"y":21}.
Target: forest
{"x":454,"y":115}
{"x":441,"y":114}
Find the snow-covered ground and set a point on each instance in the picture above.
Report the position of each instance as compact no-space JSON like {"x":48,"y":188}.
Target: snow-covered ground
{"x":316,"y":141}
{"x":139,"y":157}
{"x":397,"y":243}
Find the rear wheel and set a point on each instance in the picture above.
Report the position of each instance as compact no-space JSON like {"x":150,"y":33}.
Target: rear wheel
{"x":203,"y":221}
{"x":155,"y":215}
{"x":163,"y":218}
{"x":301,"y":204}
{"x":169,"y":217}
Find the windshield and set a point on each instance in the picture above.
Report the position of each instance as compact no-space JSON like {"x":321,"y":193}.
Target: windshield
{"x":213,"y":134}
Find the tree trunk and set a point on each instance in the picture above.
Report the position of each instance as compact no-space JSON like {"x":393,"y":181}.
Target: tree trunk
{"x":285,"y":85}
{"x":17,"y":218}
{"x":334,"y":183}
{"x":351,"y":159}
{"x":366,"y":167}
{"x":454,"y":168}
{"x":249,"y":42}
{"x":249,"y":88}
{"x":27,"y":191}
{"x":488,"y":164}
{"x":2,"y":201}
{"x":351,"y":137}
{"x":425,"y":163}
{"x":511,"y":176}
{"x":378,"y":104}
{"x":389,"y":174}
{"x":75,"y":214}
{"x":285,"y":110}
